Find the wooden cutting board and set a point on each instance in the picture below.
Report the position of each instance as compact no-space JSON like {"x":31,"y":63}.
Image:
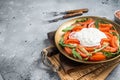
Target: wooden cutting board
{"x":79,"y":71}
{"x":70,"y":70}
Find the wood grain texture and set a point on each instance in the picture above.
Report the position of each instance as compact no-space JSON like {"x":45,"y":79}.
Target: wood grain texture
{"x":82,"y":71}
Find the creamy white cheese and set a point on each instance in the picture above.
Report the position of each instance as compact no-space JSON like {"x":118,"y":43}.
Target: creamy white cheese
{"x":89,"y":36}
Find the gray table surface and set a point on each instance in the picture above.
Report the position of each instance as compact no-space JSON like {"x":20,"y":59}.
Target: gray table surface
{"x":23,"y":34}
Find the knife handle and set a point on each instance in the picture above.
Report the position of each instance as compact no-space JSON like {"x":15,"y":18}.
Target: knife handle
{"x":72,"y":15}
{"x":84,"y":10}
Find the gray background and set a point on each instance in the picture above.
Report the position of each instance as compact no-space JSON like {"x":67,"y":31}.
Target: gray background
{"x":23,"y":34}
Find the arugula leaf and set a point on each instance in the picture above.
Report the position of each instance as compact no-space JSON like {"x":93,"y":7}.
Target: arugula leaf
{"x":82,"y":20}
{"x":63,"y":45}
{"x":118,"y":52}
{"x":103,"y":21}
{"x":61,"y":42}
{"x":69,"y":45}
{"x":109,"y":54}
{"x":67,"y":29}
{"x":115,"y":34}
{"x":100,"y":21}
{"x":85,"y":59}
{"x":96,"y":24}
{"x":76,"y":54}
{"x":119,"y":39}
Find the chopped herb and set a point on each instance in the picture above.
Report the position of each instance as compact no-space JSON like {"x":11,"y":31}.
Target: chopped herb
{"x":67,"y":29}
{"x":76,"y":54}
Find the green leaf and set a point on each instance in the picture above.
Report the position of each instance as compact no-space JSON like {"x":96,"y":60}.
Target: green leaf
{"x":103,"y":21}
{"x":96,"y":24}
{"x":61,"y":42}
{"x":65,"y":45}
{"x":85,"y":59}
{"x":67,"y":29}
{"x":115,"y":34}
{"x":69,"y":45}
{"x":100,"y":21}
{"x":118,"y":36}
{"x":109,"y":54}
{"x":76,"y":54}
{"x":82,"y":20}
{"x":118,"y":52}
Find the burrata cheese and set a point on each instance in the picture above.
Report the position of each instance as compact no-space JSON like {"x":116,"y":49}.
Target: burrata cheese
{"x":89,"y":36}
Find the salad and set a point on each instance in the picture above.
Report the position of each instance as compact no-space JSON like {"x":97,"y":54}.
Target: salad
{"x":90,"y":39}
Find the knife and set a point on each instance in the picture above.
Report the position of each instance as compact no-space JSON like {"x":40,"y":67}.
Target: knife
{"x":66,"y":16}
{"x":84,"y":10}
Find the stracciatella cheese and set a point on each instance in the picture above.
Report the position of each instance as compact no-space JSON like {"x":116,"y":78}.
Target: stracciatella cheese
{"x":89,"y":36}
